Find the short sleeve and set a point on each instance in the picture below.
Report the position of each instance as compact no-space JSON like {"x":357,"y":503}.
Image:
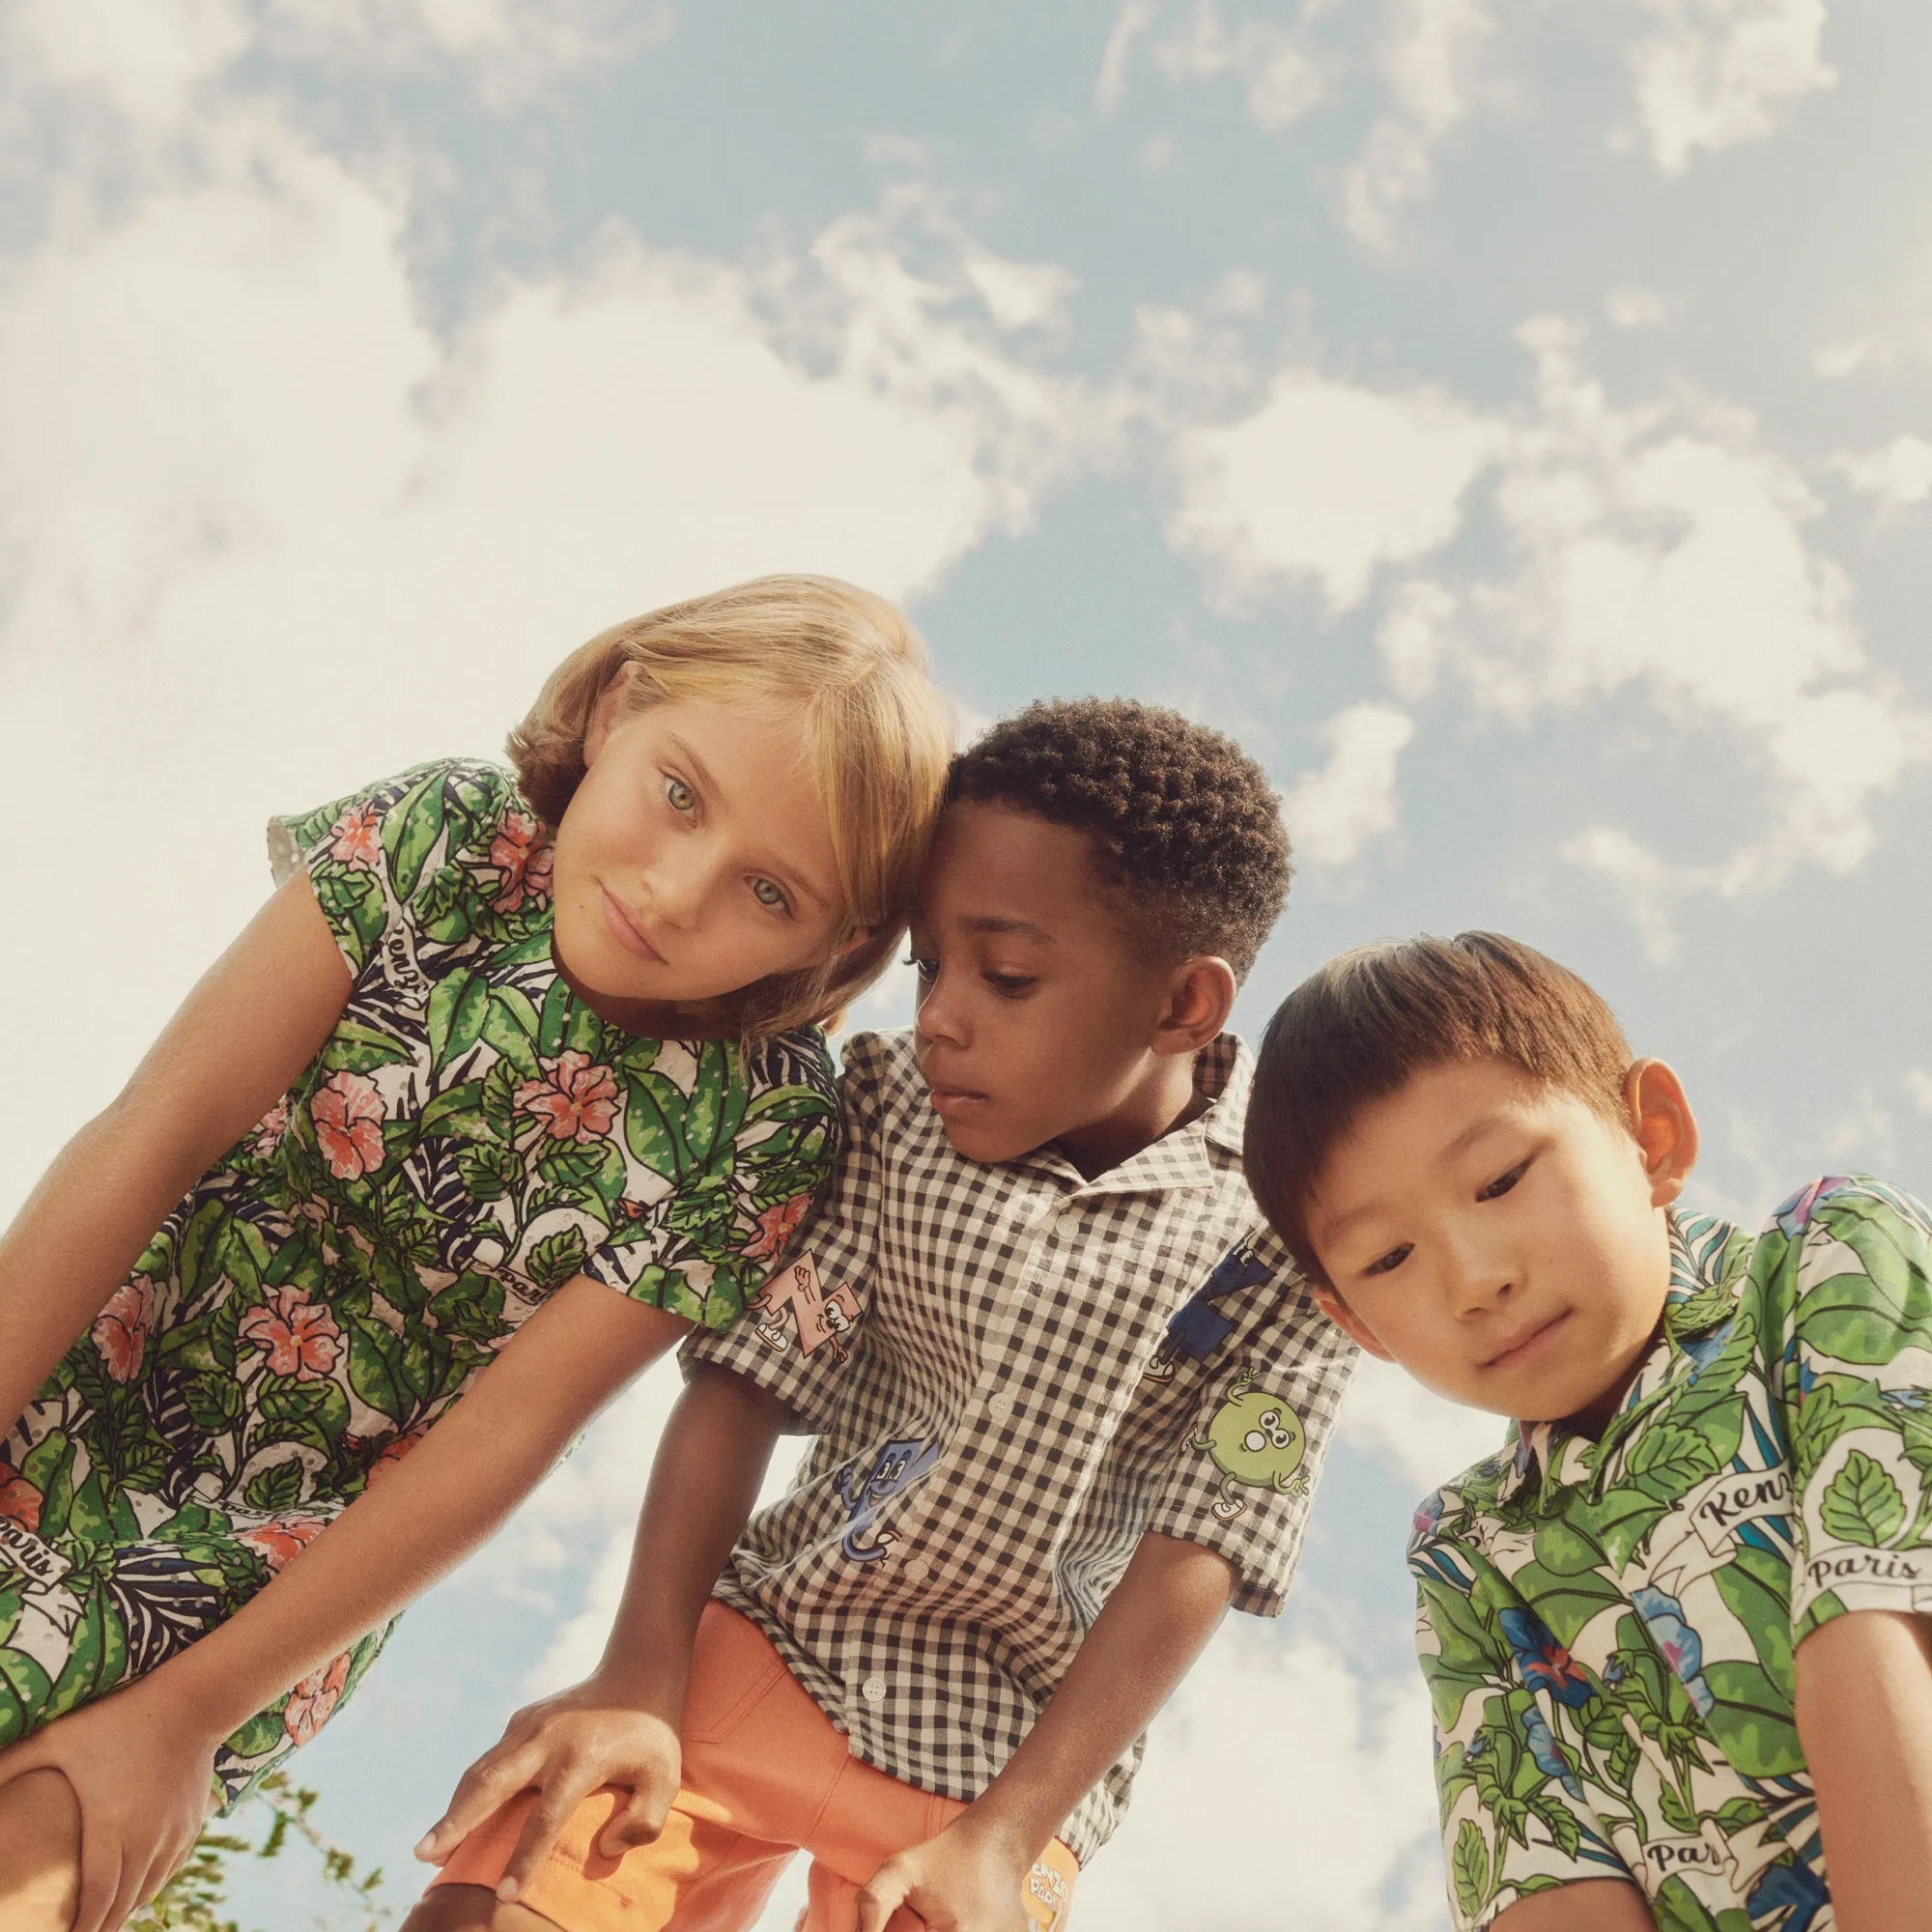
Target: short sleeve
{"x":800,"y":1334}
{"x":1517,"y":1814}
{"x":1851,"y":1285}
{"x":1245,"y":1464}
{"x":703,"y":1249}
{"x":449,"y":850}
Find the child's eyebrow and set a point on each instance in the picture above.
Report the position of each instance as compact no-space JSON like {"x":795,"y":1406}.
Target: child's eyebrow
{"x":993,"y":922}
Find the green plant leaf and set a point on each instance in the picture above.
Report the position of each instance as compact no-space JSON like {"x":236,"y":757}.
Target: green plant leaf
{"x":1862,"y":1503}
{"x":1469,"y":1870}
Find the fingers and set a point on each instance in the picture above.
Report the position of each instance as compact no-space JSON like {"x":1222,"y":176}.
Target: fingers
{"x":489,"y":1784}
{"x":639,"y":1821}
{"x":880,"y":1899}
{"x":568,"y":1787}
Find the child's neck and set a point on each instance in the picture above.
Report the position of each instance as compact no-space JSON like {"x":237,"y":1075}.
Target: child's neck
{"x":1166,"y":1099}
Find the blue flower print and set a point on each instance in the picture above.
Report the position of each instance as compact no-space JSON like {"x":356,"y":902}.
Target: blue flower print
{"x":1545,"y":1663}
{"x":1682,"y":1647}
{"x":1550,"y":1758}
{"x":1428,"y":1514}
{"x":1790,"y":1883}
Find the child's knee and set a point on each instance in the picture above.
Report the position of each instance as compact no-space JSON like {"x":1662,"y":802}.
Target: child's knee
{"x":39,"y":1852}
{"x":471,"y":1908}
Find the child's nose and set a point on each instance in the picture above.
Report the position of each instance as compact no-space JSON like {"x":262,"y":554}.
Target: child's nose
{"x":936,"y":1014}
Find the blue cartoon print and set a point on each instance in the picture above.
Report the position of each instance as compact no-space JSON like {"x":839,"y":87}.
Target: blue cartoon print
{"x":895,"y":1469}
{"x":1199,"y":1327}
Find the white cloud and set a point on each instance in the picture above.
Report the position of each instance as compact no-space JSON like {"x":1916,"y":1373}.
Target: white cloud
{"x":144,"y":62}
{"x":1628,"y":306}
{"x":1280,"y":79}
{"x":1918,"y":1085}
{"x":1282,"y":1786}
{"x":1712,"y":73}
{"x":269,"y":534}
{"x":1326,"y":481}
{"x":1664,"y":548}
{"x":1334,"y":812}
{"x":1424,"y":1439}
{"x":1898,"y":474}
{"x":1650,"y":886}
{"x":1428,"y":61}
{"x":1110,"y":84}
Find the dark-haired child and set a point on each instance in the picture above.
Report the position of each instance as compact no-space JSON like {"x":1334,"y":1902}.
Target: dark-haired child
{"x":1016,"y":1495}
{"x":1678,"y":1632}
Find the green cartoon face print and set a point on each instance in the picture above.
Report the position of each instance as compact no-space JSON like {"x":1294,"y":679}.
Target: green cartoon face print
{"x":1257,"y":1442}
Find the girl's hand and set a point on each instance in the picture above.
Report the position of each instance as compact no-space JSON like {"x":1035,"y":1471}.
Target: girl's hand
{"x":144,"y":1780}
{"x":566,"y":1746}
{"x":971,"y":1878}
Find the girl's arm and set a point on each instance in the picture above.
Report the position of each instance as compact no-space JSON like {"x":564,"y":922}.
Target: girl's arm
{"x":1865,"y":1718}
{"x":621,"y":1726}
{"x":140,"y":1761}
{"x":258,"y":1017}
{"x":969,"y":1878}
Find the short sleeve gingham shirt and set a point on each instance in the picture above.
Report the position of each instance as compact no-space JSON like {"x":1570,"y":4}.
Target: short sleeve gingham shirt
{"x":1014,"y":1373}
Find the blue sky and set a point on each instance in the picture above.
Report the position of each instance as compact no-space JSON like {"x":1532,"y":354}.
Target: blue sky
{"x":1512,"y":418}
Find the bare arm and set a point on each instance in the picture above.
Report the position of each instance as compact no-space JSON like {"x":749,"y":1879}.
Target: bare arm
{"x":257,"y":1017}
{"x":621,"y":1726}
{"x":1865,"y":1718}
{"x":1153,"y":1627}
{"x":1590,"y":1905}
{"x":140,"y":1760}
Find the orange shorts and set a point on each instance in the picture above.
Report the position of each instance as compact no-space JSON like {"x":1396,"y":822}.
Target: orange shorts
{"x":765,"y":1777}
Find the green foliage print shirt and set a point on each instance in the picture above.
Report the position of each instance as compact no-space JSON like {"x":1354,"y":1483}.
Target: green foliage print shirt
{"x":1607,"y":1628}
{"x":471,"y":1136}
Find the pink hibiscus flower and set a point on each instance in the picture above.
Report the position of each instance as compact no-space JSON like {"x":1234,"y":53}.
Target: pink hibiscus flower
{"x":299,"y":1338}
{"x":394,"y":1454}
{"x":312,"y":1699}
{"x":776,"y":1227}
{"x":523,"y":858}
{"x":268,"y":1130}
{"x":119,"y":1330}
{"x":356,"y":839}
{"x":276,"y":1542}
{"x":576,"y":1099}
{"x":348,"y":1115}
{"x":20,"y":1500}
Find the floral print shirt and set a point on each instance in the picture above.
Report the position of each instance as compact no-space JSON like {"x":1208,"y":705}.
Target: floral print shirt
{"x":1607,"y":1628}
{"x":471,"y":1136}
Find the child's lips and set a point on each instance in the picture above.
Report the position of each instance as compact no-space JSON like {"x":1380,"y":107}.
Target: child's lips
{"x":950,"y":1102}
{"x":1530,"y":1343}
{"x":625,"y":931}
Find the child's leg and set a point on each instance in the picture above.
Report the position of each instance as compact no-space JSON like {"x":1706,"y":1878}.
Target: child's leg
{"x":40,"y":1852}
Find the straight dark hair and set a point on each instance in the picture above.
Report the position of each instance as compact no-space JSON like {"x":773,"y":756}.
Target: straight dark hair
{"x":1369,"y":1020}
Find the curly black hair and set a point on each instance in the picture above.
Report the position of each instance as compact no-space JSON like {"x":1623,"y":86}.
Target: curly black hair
{"x":1185,"y":828}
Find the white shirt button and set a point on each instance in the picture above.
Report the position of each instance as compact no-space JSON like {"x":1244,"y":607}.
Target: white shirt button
{"x":1000,"y":1403}
{"x":874,"y":1690}
{"x":916,"y":1568}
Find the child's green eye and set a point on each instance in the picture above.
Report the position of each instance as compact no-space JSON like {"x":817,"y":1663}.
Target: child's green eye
{"x":767,"y":893}
{"x":679,"y":795}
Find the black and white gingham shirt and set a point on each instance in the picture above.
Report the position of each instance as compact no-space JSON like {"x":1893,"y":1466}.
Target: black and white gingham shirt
{"x":1012,"y":1380}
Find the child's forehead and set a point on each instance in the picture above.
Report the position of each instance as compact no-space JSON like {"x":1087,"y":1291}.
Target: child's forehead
{"x":997,"y":861}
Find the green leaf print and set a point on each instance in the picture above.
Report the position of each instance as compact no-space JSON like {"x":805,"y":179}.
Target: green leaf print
{"x":374,"y":1372}
{"x":362,"y":1049}
{"x":1750,"y":1720}
{"x":456,"y":1010}
{"x":1677,"y":1814}
{"x":1756,"y":1588}
{"x":354,"y":900}
{"x":24,"y":1689}
{"x":551,"y":1021}
{"x":1893,"y":1294}
{"x":313,"y":1412}
{"x":557,"y":1257}
{"x":214,"y":1402}
{"x":1667,"y":1461}
{"x":510,"y":1026}
{"x":488,"y":1172}
{"x":1561,"y":1822}
{"x":1622,"y":1518}
{"x":456,"y":1113}
{"x":1469,"y":1868}
{"x":278,"y":1487}
{"x":1862,"y":1504}
{"x":651,"y":1123}
{"x":410,"y":829}
{"x":260,"y":1733}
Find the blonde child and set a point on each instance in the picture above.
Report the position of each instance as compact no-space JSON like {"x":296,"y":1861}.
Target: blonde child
{"x":513,"y":1071}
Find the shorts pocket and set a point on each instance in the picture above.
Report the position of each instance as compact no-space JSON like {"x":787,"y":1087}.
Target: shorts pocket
{"x":720,"y":1699}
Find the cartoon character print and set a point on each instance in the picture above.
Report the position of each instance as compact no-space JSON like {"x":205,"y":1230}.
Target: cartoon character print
{"x":1257,"y":1442}
{"x":895,"y":1469}
{"x":1199,"y":1327}
{"x":822,"y":1320}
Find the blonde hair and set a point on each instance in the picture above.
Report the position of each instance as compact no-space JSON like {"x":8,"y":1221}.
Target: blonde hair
{"x":876,"y":737}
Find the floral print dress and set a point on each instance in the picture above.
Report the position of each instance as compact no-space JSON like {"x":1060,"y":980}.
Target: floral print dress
{"x":471,"y":1136}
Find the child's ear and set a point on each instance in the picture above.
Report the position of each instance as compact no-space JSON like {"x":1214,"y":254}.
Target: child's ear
{"x":1201,"y":995}
{"x":1664,"y":1126}
{"x":1348,"y":1321}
